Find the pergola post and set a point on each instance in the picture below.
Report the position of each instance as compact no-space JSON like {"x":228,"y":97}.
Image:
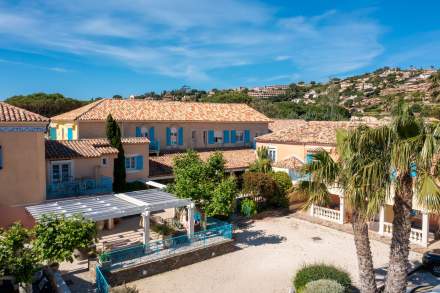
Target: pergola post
{"x":312,"y":213}
{"x":381,"y":220}
{"x":146,"y":224}
{"x":341,"y":210}
{"x":425,"y":228}
{"x":190,"y":229}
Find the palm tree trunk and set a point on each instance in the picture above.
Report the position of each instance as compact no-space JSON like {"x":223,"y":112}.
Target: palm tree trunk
{"x":398,"y":268}
{"x":367,"y":277}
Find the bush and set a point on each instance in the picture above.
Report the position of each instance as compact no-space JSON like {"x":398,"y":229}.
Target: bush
{"x":260,"y":184}
{"x":248,"y":207}
{"x":283,"y":181}
{"x":316,"y":272}
{"x":323,"y":286}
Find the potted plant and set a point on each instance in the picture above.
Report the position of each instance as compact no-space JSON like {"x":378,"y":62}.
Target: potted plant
{"x":104,"y":261}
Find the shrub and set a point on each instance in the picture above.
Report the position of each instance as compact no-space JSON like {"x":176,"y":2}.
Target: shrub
{"x":323,"y":286}
{"x":248,"y":207}
{"x":316,"y":272}
{"x":260,"y":184}
{"x":283,"y":181}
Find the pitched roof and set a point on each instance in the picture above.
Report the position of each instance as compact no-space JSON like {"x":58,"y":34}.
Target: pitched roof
{"x":292,"y":163}
{"x":311,"y":132}
{"x":85,"y":148}
{"x":279,"y":124}
{"x":147,"y":110}
{"x":9,"y":113}
{"x":235,"y":159}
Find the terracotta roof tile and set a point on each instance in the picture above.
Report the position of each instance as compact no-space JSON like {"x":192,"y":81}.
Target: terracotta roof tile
{"x":310,"y":132}
{"x":235,"y":159}
{"x":292,"y":163}
{"x":147,"y":110}
{"x":9,"y":113}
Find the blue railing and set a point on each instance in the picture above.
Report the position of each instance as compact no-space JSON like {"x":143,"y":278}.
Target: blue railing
{"x":79,"y":187}
{"x":102,"y":286}
{"x":165,"y":247}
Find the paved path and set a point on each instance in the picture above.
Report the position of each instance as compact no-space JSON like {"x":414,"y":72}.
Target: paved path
{"x":272,"y":250}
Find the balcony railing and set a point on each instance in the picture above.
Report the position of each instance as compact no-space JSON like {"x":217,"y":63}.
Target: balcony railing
{"x":326,"y":214}
{"x":75,"y":187}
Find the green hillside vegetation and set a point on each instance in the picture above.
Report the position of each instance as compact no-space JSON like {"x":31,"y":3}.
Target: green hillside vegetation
{"x":46,"y":104}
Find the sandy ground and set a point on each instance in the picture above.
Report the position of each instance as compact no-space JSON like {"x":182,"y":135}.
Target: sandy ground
{"x":271,"y":252}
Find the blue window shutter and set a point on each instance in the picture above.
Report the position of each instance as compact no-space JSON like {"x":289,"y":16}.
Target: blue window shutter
{"x":138,"y":132}
{"x":53,"y":133}
{"x":211,"y":137}
{"x":309,"y":158}
{"x":69,"y":133}
{"x":180,"y":136}
{"x":1,"y":157}
{"x":151,"y":134}
{"x":225,"y":136}
{"x":168,"y":136}
{"x":247,"y":136}
{"x":127,"y":163}
{"x":393,"y":175}
{"x":139,"y":162}
{"x":233,"y":136}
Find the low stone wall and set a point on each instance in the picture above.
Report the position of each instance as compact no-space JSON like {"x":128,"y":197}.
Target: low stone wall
{"x":136,"y":272}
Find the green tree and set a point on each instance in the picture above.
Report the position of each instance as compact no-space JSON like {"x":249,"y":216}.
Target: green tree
{"x":283,"y":181}
{"x":204,"y":183}
{"x":56,"y":237}
{"x":228,"y":97}
{"x":46,"y":104}
{"x":17,"y":258}
{"x":113,"y":133}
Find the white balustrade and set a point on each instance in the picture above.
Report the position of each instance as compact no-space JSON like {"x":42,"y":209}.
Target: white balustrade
{"x":326,"y":213}
{"x":416,"y":235}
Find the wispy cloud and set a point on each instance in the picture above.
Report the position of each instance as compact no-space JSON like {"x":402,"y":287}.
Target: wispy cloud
{"x":191,"y":39}
{"x":55,"y":69}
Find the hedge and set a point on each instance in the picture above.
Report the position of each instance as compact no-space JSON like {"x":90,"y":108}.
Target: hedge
{"x":316,"y":272}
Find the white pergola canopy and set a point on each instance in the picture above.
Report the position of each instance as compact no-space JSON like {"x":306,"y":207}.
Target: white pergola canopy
{"x":110,"y":206}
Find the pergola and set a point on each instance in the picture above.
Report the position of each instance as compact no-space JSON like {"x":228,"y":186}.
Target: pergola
{"x":110,"y":206}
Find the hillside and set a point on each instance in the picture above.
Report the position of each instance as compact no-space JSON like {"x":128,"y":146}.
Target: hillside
{"x":370,"y":94}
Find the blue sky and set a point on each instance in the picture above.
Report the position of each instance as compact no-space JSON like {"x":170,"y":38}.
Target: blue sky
{"x":87,"y":48}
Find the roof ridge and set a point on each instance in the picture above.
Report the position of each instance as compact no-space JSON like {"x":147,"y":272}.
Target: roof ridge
{"x":87,"y":107}
{"x":98,"y":102}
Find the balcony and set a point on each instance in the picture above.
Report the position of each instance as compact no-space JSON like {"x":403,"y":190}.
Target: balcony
{"x":76,"y":187}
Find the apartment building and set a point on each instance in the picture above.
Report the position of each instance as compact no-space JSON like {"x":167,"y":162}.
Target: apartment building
{"x":22,"y":161}
{"x":170,"y":126}
{"x":291,"y":145}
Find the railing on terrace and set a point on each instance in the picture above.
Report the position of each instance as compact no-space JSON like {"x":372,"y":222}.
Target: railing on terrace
{"x":162,"y":248}
{"x":102,"y":286}
{"x":415,"y":236}
{"x":326,"y":213}
{"x":76,"y":187}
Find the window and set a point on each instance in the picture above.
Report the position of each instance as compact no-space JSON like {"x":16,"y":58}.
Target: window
{"x":173,"y":136}
{"x":130,"y":163}
{"x":272,"y":153}
{"x":61,"y":172}
{"x":205,"y":137}
{"x":144,"y":131}
{"x":239,"y":136}
{"x":218,"y":136}
{"x":104,"y":162}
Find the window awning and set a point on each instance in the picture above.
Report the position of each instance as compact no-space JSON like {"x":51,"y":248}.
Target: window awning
{"x":110,"y":206}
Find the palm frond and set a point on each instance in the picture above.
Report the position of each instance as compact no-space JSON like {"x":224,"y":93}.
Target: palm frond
{"x":428,"y":192}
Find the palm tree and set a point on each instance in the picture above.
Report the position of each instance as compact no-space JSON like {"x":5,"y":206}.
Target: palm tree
{"x":415,"y":144}
{"x":263,"y":163}
{"x":361,"y":172}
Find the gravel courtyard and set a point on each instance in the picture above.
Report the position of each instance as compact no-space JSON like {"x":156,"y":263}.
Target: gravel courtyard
{"x":272,"y":250}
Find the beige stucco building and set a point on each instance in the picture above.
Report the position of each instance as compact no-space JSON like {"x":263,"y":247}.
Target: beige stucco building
{"x":170,"y":126}
{"x":22,"y":161}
